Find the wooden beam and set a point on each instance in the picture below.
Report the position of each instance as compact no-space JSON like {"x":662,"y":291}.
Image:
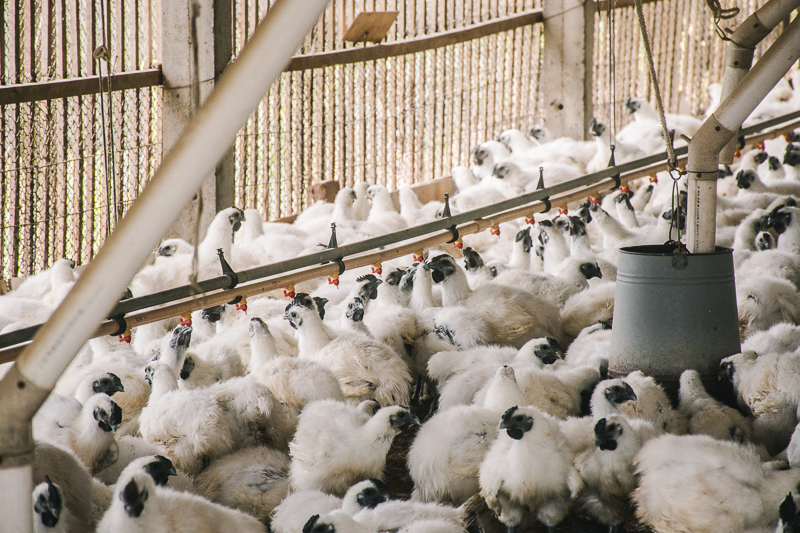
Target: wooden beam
{"x":51,"y":90}
{"x":412,"y":46}
{"x":602,"y":5}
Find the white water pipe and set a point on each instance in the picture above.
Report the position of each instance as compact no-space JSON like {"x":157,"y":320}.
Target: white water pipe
{"x":741,"y":47}
{"x":194,"y":157}
{"x":721,"y":126}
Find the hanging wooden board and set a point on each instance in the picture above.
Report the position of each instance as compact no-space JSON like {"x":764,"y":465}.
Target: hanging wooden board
{"x":370,"y":26}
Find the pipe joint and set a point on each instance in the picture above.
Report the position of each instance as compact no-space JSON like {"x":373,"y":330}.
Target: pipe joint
{"x":705,"y":147}
{"x":739,"y":57}
{"x":20,"y":398}
{"x":751,"y":32}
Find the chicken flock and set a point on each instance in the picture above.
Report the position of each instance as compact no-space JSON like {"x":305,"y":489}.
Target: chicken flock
{"x":491,"y":361}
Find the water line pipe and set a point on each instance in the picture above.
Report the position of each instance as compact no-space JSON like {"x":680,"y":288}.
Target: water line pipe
{"x":721,"y":126}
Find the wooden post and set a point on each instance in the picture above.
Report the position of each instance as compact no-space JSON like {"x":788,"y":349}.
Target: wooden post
{"x":213,"y":28}
{"x":566,"y":78}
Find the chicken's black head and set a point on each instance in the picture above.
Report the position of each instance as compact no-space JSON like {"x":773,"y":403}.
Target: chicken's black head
{"x":236,"y":218}
{"x":537,"y":132}
{"x":355,"y":310}
{"x":591,"y":270}
{"x":789,"y":518}
{"x":472,"y":259}
{"x":727,"y":370}
{"x":373,"y":495}
{"x":406,"y":280}
{"x":149,"y":369}
{"x":765,"y":241}
{"x":619,"y":393}
{"x":779,"y":219}
{"x":678,"y":214}
{"x":301,"y":304}
{"x":394,"y":277}
{"x":187,"y":368}
{"x":181,"y":337}
{"x":108,"y":417}
{"x":632,"y":104}
{"x":167,"y":250}
{"x":745,"y":178}
{"x":549,"y":351}
{"x":257,"y":326}
{"x":584,"y":212}
{"x":577,"y":228}
{"x":369,"y":287}
{"x":315,"y":526}
{"x":524,"y":236}
{"x":133,"y":498}
{"x":402,"y":418}
{"x":160,"y":468}
{"x":446,"y":334}
{"x":213,"y":314}
{"x":479,"y":155}
{"x":516,"y":424}
{"x":108,"y":384}
{"x":624,"y":199}
{"x":441,"y":267}
{"x":775,"y":163}
{"x":562,"y":223}
{"x":606,"y":434}
{"x":596,"y":128}
{"x":792,"y":155}
{"x":49,"y":503}
{"x":760,"y":157}
{"x":501,"y":170}
{"x":539,"y":251}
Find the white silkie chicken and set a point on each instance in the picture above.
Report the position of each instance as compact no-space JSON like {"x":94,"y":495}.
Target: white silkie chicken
{"x":337,"y":444}
{"x":623,"y":152}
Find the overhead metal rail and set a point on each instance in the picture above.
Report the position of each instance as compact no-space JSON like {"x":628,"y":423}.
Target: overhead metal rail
{"x":274,"y":276}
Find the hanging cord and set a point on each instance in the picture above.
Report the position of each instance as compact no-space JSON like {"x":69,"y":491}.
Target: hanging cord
{"x":194,"y":14}
{"x":612,"y":70}
{"x":100,"y":54}
{"x":672,"y":160}
{"x":721,"y":14}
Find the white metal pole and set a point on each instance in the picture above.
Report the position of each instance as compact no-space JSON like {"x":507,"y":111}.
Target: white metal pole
{"x":742,"y":45}
{"x":191,"y":160}
{"x":717,"y":130}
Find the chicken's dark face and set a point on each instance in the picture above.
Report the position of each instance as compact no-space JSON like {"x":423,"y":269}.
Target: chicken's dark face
{"x":181,"y":337}
{"x":370,"y":497}
{"x":524,"y":236}
{"x":49,"y":504}
{"x":133,"y":499}
{"x":166,"y":250}
{"x":108,"y":384}
{"x":584,"y":212}
{"x":596,"y":128}
{"x":187,"y":368}
{"x":745,"y":178}
{"x":544,"y":226}
{"x":479,"y":155}
{"x":591,"y":270}
{"x":257,"y":326}
{"x":619,"y":393}
{"x":774,"y":163}
{"x":501,"y":170}
{"x":577,"y":228}
{"x":779,"y":220}
{"x":395,"y":276}
{"x":236,"y":218}
{"x":792,"y":155}
{"x":606,"y":434}
{"x":312,"y":526}
{"x":355,"y":310}
{"x":441,"y":267}
{"x":301,"y":304}
{"x":624,"y":199}
{"x":549,"y":351}
{"x":369,"y":287}
{"x":472,"y":259}
{"x":403,"y":419}
{"x":632,"y":105}
{"x":108,"y":417}
{"x":406,"y":280}
{"x":680,"y":213}
{"x":760,"y":157}
{"x":446,"y":334}
{"x":764,"y":241}
{"x":160,"y":468}
{"x":516,"y":424}
{"x":213,"y":314}
{"x":789,"y":518}
{"x":148,"y":372}
{"x":726,"y":373}
{"x":536,"y":132}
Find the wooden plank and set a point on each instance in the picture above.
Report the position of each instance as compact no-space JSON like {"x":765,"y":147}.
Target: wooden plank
{"x":31,"y":92}
{"x":370,"y":26}
{"x":414,"y":45}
